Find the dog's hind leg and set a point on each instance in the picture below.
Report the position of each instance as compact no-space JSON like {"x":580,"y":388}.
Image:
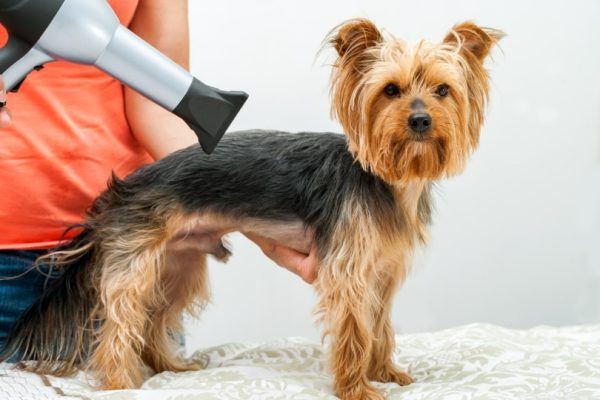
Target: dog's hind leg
{"x":132,"y":260}
{"x":184,"y":282}
{"x":184,"y":289}
{"x":129,"y":293}
{"x":150,"y":275}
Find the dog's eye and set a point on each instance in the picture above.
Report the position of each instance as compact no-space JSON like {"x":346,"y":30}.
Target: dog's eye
{"x":442,"y":90}
{"x":391,"y":90}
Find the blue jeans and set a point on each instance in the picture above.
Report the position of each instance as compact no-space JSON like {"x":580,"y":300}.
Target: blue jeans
{"x":20,"y":285}
{"x":23,"y":286}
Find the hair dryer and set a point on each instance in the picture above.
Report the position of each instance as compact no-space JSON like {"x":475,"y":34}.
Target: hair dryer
{"x":89,"y":32}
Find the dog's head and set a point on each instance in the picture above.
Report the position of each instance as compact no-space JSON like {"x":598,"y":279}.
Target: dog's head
{"x":410,"y":111}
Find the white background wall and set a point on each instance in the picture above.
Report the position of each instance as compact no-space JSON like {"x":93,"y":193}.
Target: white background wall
{"x":516,"y":238}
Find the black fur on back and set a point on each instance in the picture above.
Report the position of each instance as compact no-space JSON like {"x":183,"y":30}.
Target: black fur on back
{"x":269,"y":175}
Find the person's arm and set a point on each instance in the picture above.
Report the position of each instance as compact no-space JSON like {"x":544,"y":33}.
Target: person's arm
{"x":163,"y":24}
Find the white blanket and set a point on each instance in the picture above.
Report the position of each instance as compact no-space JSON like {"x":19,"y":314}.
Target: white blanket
{"x":476,"y":361}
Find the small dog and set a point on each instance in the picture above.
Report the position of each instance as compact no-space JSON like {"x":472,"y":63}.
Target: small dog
{"x":411,"y":113}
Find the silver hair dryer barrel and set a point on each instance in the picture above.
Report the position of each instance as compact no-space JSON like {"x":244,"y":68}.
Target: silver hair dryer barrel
{"x":88,"y":32}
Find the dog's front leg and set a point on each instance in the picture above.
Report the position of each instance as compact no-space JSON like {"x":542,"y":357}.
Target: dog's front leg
{"x":381,"y":367}
{"x":351,"y":337}
{"x":346,"y":285}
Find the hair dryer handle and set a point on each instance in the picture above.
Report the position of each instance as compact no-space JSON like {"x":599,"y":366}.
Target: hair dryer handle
{"x":10,"y":54}
{"x":17,"y":59}
{"x":209,"y":112}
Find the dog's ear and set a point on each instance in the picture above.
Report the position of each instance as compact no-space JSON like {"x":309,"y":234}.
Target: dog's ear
{"x":353,"y":41}
{"x":471,"y":38}
{"x":353,"y":37}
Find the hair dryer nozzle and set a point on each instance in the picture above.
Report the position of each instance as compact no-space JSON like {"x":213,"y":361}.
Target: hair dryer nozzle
{"x":209,"y":112}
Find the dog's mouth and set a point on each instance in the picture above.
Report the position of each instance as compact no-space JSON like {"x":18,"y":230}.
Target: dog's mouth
{"x":418,"y":157}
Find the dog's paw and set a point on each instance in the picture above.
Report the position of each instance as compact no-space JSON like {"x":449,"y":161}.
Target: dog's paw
{"x":194,"y":365}
{"x":186,"y":365}
{"x":175,"y":365}
{"x":391,"y":374}
{"x":363,"y":392}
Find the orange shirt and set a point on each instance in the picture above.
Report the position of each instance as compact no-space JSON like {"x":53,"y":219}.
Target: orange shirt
{"x":69,"y":131}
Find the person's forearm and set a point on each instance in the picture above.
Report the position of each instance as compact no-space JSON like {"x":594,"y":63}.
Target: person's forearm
{"x":159,"y":131}
{"x":163,"y":24}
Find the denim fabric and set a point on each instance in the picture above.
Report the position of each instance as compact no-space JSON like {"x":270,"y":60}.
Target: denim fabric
{"x":20,"y":285}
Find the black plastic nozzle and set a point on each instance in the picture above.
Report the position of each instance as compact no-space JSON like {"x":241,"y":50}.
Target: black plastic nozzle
{"x":209,"y":112}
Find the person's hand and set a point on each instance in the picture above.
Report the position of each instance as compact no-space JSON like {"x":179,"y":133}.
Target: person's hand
{"x":5,"y":116}
{"x":303,"y":265}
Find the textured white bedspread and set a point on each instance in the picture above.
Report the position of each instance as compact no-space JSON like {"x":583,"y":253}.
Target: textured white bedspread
{"x":476,"y":361}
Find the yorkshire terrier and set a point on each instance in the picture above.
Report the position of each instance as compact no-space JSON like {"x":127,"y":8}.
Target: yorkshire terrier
{"x":412,"y":114}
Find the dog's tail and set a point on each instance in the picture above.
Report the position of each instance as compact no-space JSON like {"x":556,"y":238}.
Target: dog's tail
{"x":56,"y":331}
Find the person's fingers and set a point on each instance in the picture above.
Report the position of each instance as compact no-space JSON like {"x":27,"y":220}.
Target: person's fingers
{"x":309,"y":267}
{"x":268,"y":246}
{"x":303,"y":265}
{"x":299,"y":263}
{"x":5,"y":116}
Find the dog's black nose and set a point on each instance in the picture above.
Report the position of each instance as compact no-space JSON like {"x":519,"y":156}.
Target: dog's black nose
{"x":419,"y":122}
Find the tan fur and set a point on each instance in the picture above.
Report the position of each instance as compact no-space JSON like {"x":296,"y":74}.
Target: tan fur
{"x":141,"y":319}
{"x":355,"y":286}
{"x":358,"y":278}
{"x":376,"y":125}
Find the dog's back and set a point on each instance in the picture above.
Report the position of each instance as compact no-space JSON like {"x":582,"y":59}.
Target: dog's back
{"x":268,"y":175}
